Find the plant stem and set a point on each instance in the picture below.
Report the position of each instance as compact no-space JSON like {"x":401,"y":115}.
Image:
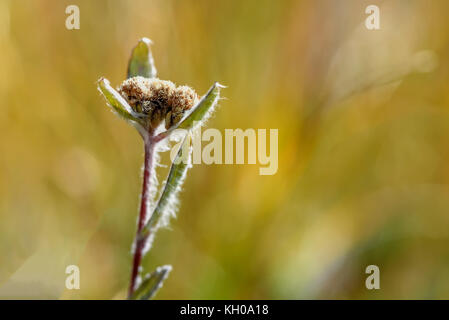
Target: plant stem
{"x":143,"y":214}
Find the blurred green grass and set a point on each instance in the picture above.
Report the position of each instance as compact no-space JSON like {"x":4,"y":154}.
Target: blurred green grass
{"x":363,"y":149}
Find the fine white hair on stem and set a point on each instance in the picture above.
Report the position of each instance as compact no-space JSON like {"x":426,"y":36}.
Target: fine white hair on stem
{"x":168,"y":201}
{"x":154,"y":182}
{"x":152,"y":187}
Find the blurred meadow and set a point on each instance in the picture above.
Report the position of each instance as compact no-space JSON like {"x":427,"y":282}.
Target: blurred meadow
{"x":363,"y":178}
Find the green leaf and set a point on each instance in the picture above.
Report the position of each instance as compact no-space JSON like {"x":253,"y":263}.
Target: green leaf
{"x":174,"y":181}
{"x":116,"y":101}
{"x":151,"y":283}
{"x":203,"y":109}
{"x":141,"y":62}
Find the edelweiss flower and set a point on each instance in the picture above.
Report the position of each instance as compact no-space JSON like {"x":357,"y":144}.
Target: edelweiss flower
{"x":146,"y":102}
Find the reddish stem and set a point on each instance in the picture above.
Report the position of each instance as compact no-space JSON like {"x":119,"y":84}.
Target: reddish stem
{"x":144,"y":212}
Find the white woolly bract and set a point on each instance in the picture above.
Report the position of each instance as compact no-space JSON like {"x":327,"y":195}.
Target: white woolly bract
{"x":171,"y":204}
{"x":209,"y":112}
{"x":148,"y":243}
{"x":159,"y":275}
{"x":207,"y":115}
{"x":138,"y":282}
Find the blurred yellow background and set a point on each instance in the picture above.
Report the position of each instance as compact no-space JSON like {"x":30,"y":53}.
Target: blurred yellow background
{"x":363,"y":149}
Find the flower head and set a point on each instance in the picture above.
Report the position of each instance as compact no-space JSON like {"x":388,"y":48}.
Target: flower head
{"x":147,"y":101}
{"x":158,"y":100}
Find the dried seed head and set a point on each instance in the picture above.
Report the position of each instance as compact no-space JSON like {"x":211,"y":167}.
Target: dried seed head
{"x":158,"y":99}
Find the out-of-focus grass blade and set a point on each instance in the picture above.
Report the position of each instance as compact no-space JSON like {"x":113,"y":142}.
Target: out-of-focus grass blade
{"x":141,"y":62}
{"x":203,"y":108}
{"x":116,"y":101}
{"x":151,"y":283}
{"x":175,"y":179}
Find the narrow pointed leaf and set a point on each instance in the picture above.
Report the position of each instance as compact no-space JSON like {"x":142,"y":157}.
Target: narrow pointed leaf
{"x":141,"y":62}
{"x":203,"y":108}
{"x":116,"y":101}
{"x":174,"y":181}
{"x":151,"y":284}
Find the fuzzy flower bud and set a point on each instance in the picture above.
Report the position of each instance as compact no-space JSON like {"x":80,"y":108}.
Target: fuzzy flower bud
{"x":158,"y":100}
